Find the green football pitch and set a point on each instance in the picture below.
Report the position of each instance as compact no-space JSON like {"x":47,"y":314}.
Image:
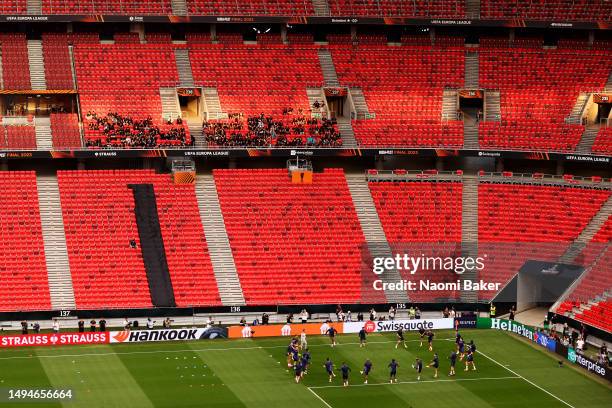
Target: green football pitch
{"x":253,"y":373}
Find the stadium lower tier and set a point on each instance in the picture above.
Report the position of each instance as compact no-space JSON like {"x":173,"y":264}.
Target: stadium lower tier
{"x":135,"y":239}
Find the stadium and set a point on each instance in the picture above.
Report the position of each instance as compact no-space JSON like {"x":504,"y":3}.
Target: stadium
{"x":308,"y":203}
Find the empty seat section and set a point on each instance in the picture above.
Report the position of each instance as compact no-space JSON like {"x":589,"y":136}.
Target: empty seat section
{"x":130,"y":7}
{"x":254,"y":79}
{"x":20,"y":137}
{"x":603,"y":142}
{"x":99,"y":220}
{"x":23,"y":269}
{"x":124,"y":78}
{"x":403,"y":88}
{"x":15,"y":65}
{"x":538,"y":89}
{"x":292,"y":243}
{"x":9,"y":7}
{"x":251,"y":8}
{"x":422,"y":218}
{"x":65,"y":130}
{"x":518,"y":222}
{"x":398,"y":8}
{"x":550,"y":10}
{"x":58,"y":68}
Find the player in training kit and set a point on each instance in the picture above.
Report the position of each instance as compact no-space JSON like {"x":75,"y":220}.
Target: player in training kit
{"x":362,"y":337}
{"x":298,"y":371}
{"x":430,"y":336}
{"x":461,"y":349}
{"x":435,"y":363}
{"x":400,"y":338}
{"x":367,"y":367}
{"x":305,"y":361}
{"x":393,"y":365}
{"x":331,"y":332}
{"x":469,"y":361}
{"x":453,"y":361}
{"x":303,"y":341}
{"x":345,"y":374}
{"x":418,"y":366}
{"x":422,"y":334}
{"x":472,"y":347}
{"x":329,"y":367}
{"x":291,"y":351}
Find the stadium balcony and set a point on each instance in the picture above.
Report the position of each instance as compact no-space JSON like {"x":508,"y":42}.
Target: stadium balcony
{"x":292,"y":243}
{"x":23,"y":270}
{"x":403,"y":88}
{"x":98,"y":211}
{"x":550,"y":10}
{"x":538,"y":90}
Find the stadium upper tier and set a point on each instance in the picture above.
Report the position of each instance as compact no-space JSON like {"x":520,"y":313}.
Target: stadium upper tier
{"x":548,"y":10}
{"x":287,"y":242}
{"x":391,"y":95}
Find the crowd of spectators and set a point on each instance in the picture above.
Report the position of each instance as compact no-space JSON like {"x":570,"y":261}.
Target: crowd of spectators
{"x":289,"y":130}
{"x":119,"y":131}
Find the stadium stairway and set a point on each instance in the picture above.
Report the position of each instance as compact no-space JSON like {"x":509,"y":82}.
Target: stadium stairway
{"x":576,"y":114}
{"x":347,"y":133}
{"x":195,"y":130}
{"x":321,"y":7}
{"x":170,"y":103}
{"x":492,"y":109}
{"x":316,"y":94}
{"x":449,"y":104}
{"x":469,"y":231}
{"x":588,"y":138}
{"x":608,"y":86}
{"x":37,"y":65}
{"x":183,"y":66}
{"x":330,"y":76}
{"x":44,"y":141}
{"x":34,"y":7}
{"x":470,"y":134}
{"x":217,"y":240}
{"x":179,"y":7}
{"x":361,"y":106}
{"x":1,"y":72}
{"x":371,"y":226}
{"x":213,"y":104}
{"x":472,"y":8}
{"x":587,"y":234}
{"x":471,"y":70}
{"x":54,"y":237}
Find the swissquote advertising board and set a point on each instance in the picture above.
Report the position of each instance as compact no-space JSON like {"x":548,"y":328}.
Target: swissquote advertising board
{"x":394,"y":325}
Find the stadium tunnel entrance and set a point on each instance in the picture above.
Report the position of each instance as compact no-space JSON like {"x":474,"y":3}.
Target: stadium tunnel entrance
{"x":190,"y":101}
{"x":471,"y":105}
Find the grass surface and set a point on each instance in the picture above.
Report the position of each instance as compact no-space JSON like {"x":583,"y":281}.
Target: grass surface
{"x":253,"y":373}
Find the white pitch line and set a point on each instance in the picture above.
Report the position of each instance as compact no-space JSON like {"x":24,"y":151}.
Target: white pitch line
{"x":422,"y":382}
{"x":525,"y":379}
{"x":183,"y":350}
{"x":319,"y":398}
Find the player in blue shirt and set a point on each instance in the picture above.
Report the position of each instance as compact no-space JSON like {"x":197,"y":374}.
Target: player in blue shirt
{"x":400,"y":337}
{"x":461,"y":349}
{"x":472,"y":347}
{"x":422,"y":334}
{"x":329,"y":367}
{"x":393,"y":365}
{"x":305,"y":360}
{"x":435,"y":363}
{"x":418,"y":366}
{"x":469,"y":361}
{"x":299,"y":371}
{"x":453,"y":361}
{"x":362,"y":337}
{"x":430,"y":336}
{"x":345,"y":374}
{"x":291,"y":350}
{"x":331,"y":332}
{"x":367,"y":367}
